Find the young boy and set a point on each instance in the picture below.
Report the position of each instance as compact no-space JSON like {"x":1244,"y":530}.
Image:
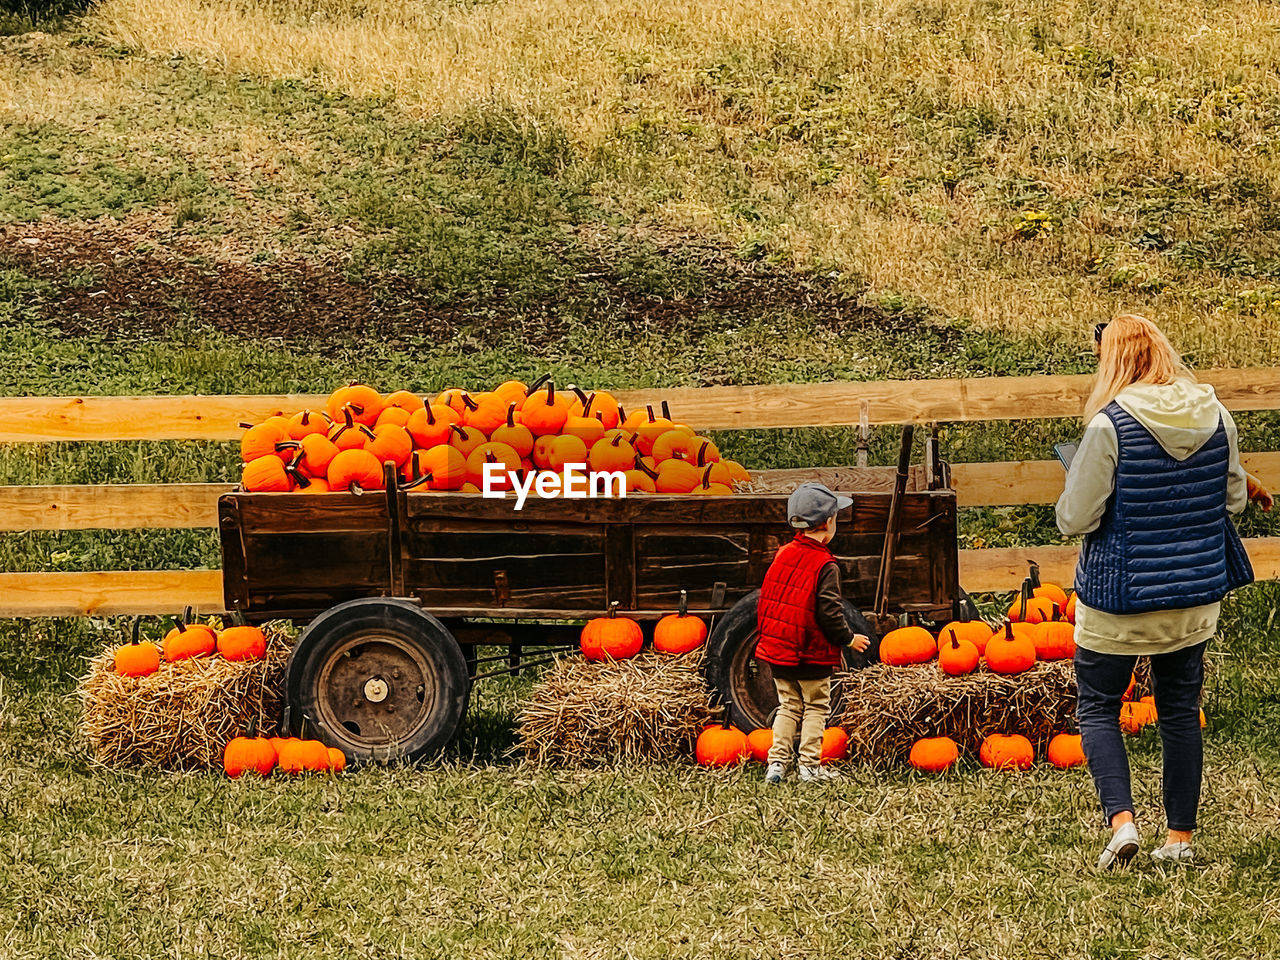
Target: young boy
{"x":802,"y":630}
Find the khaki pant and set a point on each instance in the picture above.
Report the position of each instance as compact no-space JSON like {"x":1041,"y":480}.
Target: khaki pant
{"x":802,"y":705}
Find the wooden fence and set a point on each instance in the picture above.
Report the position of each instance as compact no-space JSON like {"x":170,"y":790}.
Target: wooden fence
{"x":194,"y":505}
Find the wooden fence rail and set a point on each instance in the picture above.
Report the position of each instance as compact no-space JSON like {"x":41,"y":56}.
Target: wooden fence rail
{"x":103,"y":593}
{"x":39,"y":419}
{"x":119,"y":506}
{"x":194,"y":505}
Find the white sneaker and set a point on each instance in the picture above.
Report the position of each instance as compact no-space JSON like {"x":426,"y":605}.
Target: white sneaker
{"x":818,"y":774}
{"x":1174,"y":853}
{"x":1121,"y":849}
{"x":775,"y":773}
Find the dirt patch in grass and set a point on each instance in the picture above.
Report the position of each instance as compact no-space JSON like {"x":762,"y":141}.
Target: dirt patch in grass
{"x":117,"y":278}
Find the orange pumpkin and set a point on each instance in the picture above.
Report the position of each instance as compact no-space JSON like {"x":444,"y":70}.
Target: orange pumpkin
{"x":485,"y":412}
{"x":1066,"y":750}
{"x":405,"y":400}
{"x":609,"y":454}
{"x":721,"y":746}
{"x":137,"y":659}
{"x":430,"y":425}
{"x":673,"y":443}
{"x":544,"y":413}
{"x":835,"y":745}
{"x":307,"y":424}
{"x":566,"y":450}
{"x":1134,"y":715}
{"x":347,"y":434}
{"x":355,"y":470}
{"x":600,"y":405}
{"x":1070,"y":610}
{"x":1007,"y":752}
{"x":641,"y":479}
{"x":515,"y":435}
{"x":679,"y":632}
{"x":363,"y":402}
{"x":759,"y":743}
{"x":1054,"y":639}
{"x":337,"y":760}
{"x":677,"y":476}
{"x":391,"y":443}
{"x":444,"y":467}
{"x":249,"y":754}
{"x":187,"y":640}
{"x":977,"y":632}
{"x":907,"y":645}
{"x":505,"y":459}
{"x":392,"y":416}
{"x":266,"y":475}
{"x":1012,"y":649}
{"x":1030,"y":609}
{"x":611,"y":637}
{"x":648,"y":431}
{"x":465,"y":439}
{"x":933,"y":754}
{"x":1049,"y":591}
{"x":268,"y":439}
{"x":512,"y":391}
{"x":316,"y":453}
{"x":956,"y":656}
{"x":242,"y":643}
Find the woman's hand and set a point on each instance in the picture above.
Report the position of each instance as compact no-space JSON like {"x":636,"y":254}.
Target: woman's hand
{"x":1258,"y":493}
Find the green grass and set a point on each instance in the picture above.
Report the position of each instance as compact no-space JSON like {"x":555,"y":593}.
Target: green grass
{"x":482,"y":856}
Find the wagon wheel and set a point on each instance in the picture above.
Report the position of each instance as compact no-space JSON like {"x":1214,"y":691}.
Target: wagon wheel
{"x":746,"y":683}
{"x":380,"y":679}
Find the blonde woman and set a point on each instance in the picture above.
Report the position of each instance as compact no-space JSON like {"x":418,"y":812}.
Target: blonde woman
{"x":1151,"y":489}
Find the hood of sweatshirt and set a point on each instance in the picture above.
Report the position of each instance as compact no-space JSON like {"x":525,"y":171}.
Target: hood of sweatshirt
{"x":1181,"y":415}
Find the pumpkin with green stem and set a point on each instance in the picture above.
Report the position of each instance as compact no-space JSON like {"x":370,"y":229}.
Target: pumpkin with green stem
{"x":137,"y":658}
{"x":679,"y":632}
{"x":611,"y":637}
{"x":249,"y":753}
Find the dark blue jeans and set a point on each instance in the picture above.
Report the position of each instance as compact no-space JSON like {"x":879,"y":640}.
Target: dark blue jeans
{"x":1177,"y":677}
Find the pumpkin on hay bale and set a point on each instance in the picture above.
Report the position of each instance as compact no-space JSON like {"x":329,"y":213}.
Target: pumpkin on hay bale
{"x":887,"y":709}
{"x":182,"y":716}
{"x":645,"y":709}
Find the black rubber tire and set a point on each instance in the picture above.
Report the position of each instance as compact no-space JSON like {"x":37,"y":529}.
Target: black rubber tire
{"x":745,"y":683}
{"x":429,"y":690}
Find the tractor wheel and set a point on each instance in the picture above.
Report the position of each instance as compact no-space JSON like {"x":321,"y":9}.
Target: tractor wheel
{"x":746,"y":683}
{"x":381,"y":679}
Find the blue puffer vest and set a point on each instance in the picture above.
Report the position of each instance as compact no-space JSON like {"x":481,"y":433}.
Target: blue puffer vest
{"x":1165,"y":541}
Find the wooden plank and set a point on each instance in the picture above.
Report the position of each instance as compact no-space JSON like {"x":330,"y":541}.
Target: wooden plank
{"x":38,"y":419}
{"x":110,"y":506}
{"x":129,"y":592}
{"x":109,"y":593}
{"x":984,"y":571}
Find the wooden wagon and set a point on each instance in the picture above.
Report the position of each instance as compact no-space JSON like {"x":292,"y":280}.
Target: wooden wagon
{"x":401,"y":588}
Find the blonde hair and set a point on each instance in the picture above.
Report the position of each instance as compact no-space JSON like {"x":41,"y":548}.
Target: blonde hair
{"x":1133,"y":350}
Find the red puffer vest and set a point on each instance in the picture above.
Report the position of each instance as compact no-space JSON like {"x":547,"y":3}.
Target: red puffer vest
{"x":789,"y":633}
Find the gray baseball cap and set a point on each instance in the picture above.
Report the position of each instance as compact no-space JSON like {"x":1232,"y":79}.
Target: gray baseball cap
{"x":812,"y":504}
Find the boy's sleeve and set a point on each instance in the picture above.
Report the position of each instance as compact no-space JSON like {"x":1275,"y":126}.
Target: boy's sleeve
{"x":828,"y":607}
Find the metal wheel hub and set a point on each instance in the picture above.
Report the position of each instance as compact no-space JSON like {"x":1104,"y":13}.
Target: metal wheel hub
{"x":752,"y":684}
{"x":378,"y":688}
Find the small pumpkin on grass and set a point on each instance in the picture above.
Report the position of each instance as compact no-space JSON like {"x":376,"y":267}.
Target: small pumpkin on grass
{"x":611,"y":637}
{"x":137,"y":658}
{"x":906,"y":646}
{"x":1066,"y":750}
{"x":934,"y":754}
{"x":1007,"y":752}
{"x":679,"y":632}
{"x":249,"y":753}
{"x":835,"y":745}
{"x":721,"y":745}
{"x":759,"y":743}
{"x":1134,"y":715}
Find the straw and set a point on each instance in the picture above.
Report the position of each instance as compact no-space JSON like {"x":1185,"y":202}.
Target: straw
{"x":182,"y":716}
{"x":646,"y":709}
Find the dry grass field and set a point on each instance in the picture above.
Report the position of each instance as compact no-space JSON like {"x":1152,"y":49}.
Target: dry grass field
{"x":241,"y":196}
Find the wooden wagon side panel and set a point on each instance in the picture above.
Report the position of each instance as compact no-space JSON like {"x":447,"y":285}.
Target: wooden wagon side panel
{"x":297,"y":556}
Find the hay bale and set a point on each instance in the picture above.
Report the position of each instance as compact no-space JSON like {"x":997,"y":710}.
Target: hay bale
{"x":886,"y":709}
{"x":182,"y":716}
{"x":648,"y":708}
